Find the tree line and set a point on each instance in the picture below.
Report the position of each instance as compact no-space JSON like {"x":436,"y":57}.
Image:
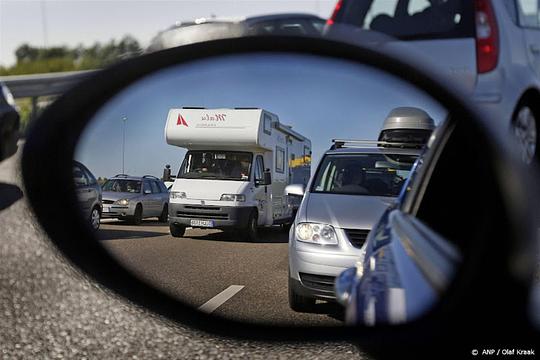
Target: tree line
{"x":35,"y":60}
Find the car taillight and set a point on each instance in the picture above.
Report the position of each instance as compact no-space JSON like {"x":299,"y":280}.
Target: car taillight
{"x":487,"y":37}
{"x":332,"y":18}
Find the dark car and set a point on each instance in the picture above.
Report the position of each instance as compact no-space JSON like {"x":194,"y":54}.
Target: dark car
{"x":204,"y":29}
{"x":9,"y":123}
{"x":88,"y":193}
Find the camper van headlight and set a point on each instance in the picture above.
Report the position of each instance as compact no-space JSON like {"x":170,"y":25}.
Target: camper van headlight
{"x":177,"y":195}
{"x":122,"y":202}
{"x":233,"y":197}
{"x":315,"y":233}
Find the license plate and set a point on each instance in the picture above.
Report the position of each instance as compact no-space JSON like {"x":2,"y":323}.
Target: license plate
{"x":202,"y":223}
{"x":106,"y":209}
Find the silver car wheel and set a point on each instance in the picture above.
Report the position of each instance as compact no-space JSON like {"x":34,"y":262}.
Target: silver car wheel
{"x":95,"y":218}
{"x":525,"y":132}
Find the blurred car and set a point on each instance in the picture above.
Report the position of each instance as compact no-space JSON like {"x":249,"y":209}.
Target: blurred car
{"x":89,"y":194}
{"x":135,"y":198}
{"x":491,"y":48}
{"x":406,"y":263}
{"x":9,"y":123}
{"x":204,"y":29}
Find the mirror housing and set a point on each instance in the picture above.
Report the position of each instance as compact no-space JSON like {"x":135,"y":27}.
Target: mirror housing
{"x":147,"y":192}
{"x":50,"y":146}
{"x":267,"y":177}
{"x":295,"y":190}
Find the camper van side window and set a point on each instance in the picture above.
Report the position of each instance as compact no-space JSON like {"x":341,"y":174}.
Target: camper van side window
{"x":267,"y":124}
{"x":280,"y":160}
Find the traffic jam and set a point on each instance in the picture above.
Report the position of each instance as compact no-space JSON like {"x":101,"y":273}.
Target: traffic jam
{"x":246,"y":180}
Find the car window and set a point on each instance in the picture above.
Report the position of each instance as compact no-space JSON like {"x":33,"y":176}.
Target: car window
{"x":410,"y":20}
{"x":155,"y":187}
{"x":363,"y":174}
{"x":91,"y":179}
{"x":259,"y":168}
{"x":122,"y":185}
{"x":162,"y":187}
{"x":281,"y":27}
{"x":79,"y":177}
{"x":147,"y":186}
{"x":529,"y":13}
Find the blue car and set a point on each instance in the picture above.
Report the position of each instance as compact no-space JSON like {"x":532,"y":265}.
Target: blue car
{"x":407,"y":264}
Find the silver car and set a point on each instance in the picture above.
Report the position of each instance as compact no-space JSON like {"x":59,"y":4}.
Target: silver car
{"x":351,"y":189}
{"x":135,"y":198}
{"x":490,"y":47}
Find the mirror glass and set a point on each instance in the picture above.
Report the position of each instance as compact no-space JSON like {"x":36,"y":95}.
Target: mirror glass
{"x":183,"y":177}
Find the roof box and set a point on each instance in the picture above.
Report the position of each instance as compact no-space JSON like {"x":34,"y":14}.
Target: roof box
{"x":407,"y":125}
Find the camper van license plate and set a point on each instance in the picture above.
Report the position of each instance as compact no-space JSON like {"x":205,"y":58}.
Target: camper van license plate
{"x":203,"y":223}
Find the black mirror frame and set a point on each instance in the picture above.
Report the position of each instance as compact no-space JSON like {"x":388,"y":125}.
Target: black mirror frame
{"x":51,"y":143}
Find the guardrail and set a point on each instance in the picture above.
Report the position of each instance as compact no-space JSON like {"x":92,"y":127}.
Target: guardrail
{"x":36,"y":85}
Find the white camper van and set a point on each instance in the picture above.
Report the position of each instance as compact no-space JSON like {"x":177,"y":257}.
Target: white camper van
{"x":234,"y":173}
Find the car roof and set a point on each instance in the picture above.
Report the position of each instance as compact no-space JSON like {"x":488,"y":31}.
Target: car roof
{"x":373,"y":150}
{"x":129,"y":177}
{"x":254,"y":19}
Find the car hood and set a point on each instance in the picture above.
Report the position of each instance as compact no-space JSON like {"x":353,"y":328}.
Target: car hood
{"x":114,"y":195}
{"x":209,"y":189}
{"x":346,"y":211}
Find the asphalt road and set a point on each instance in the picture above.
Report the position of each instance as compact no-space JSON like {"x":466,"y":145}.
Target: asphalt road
{"x":204,"y":263}
{"x":50,"y":310}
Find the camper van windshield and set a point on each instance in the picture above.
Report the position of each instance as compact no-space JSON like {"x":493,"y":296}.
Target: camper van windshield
{"x":220,"y":165}
{"x":363,"y":174}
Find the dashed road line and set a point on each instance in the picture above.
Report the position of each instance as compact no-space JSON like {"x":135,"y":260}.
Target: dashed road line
{"x":211,"y":305}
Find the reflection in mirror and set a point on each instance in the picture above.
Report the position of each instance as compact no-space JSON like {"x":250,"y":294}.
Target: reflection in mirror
{"x":193,"y":163}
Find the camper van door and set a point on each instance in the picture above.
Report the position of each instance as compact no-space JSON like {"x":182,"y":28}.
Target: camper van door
{"x":262,"y":192}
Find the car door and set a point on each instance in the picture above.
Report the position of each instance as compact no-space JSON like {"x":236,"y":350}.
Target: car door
{"x":95,"y":189}
{"x":157,"y":198}
{"x":529,"y":20}
{"x":83,"y":188}
{"x":149,"y":207}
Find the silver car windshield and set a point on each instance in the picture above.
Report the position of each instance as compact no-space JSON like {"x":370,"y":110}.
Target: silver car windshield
{"x":127,"y":186}
{"x":363,"y":174}
{"x":220,"y":165}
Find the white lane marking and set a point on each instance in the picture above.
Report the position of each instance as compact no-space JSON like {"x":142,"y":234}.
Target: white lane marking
{"x":218,"y":300}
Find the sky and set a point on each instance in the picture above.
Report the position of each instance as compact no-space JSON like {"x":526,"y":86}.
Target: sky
{"x":321,"y":98}
{"x":55,"y":23}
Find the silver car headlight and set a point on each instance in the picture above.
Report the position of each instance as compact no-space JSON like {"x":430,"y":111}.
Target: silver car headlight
{"x":316,"y":233}
{"x":233,"y":197}
{"x":177,"y":195}
{"x":123,"y":202}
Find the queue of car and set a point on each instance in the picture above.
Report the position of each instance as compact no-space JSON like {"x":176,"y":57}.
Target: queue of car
{"x":259,"y":176}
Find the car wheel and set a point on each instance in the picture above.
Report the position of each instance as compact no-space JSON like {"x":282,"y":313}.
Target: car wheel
{"x":298,"y":302}
{"x":525,"y":131}
{"x":250,"y":232}
{"x":95,"y":218}
{"x":136,"y":219}
{"x":177,"y":230}
{"x":164,"y":217}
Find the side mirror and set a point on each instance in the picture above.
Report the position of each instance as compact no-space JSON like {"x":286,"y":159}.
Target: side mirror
{"x":146,"y":192}
{"x":266,"y":180}
{"x":344,"y":284}
{"x":267,"y":177}
{"x":295,"y":190}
